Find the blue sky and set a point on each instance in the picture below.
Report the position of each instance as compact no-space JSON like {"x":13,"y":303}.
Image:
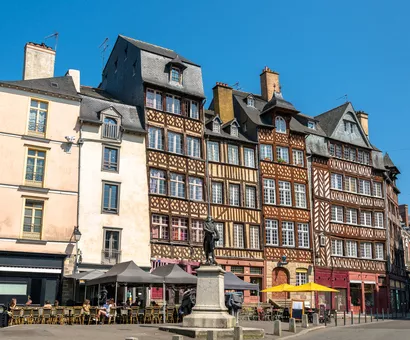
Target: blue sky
{"x":322,"y":49}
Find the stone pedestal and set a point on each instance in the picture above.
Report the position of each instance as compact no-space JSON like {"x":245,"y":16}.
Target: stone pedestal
{"x":210,"y":310}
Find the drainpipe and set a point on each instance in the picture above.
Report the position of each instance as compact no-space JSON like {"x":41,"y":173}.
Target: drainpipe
{"x":80,"y":144}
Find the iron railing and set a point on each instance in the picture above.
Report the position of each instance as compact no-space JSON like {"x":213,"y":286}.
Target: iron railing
{"x":109,"y":256}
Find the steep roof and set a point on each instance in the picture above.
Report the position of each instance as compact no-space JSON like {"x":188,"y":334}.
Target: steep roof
{"x":62,"y":87}
{"x":388,"y":163}
{"x":277,"y":101}
{"x":156,"y":49}
{"x":329,"y":119}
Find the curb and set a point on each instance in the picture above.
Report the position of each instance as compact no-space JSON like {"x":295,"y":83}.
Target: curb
{"x":305,"y":331}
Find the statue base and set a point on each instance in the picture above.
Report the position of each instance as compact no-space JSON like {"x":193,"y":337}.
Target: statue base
{"x":210,"y":310}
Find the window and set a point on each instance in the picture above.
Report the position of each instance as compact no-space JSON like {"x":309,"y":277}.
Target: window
{"x":350,"y":184}
{"x":351,"y":216}
{"x":233,"y":154}
{"x":346,"y":152}
{"x":269,"y":191}
{"x":193,"y":147}
{"x":154,"y":99}
{"x":110,"y":128}
{"x":155,"y":139}
{"x":216,"y":126}
{"x":238,"y":241}
{"x":254,"y":237}
{"x":364,"y":187}
{"x":250,"y":197}
{"x":249,"y":157}
{"x":157,"y":182}
{"x":160,"y":227}
{"x":366,"y":250}
{"x":337,"y":247}
{"x":282,"y":154}
{"x":266,"y":152}
{"x":352,"y":155}
{"x":379,"y":251}
{"x":175,"y":143}
{"x":179,"y":229}
{"x":338,"y":151}
{"x":301,"y":277}
{"x":195,"y":189}
{"x":213,"y":151}
{"x":366,"y":218}
{"x":33,"y":219}
{"x":285,"y":195}
{"x":300,"y":195}
{"x":197,"y":231}
{"x":237,"y":269}
{"x":175,"y":75}
{"x":331,"y":149}
{"x":366,"y":158}
{"x":177,"y":185}
{"x":288,"y":234}
{"x":110,"y":158}
{"x":297,"y":156}
{"x":110,"y":198}
{"x":349,"y":126}
{"x":280,"y":125}
{"x":193,"y":109}
{"x":272,"y":236}
{"x":234,"y":194}
{"x":173,"y":104}
{"x":37,"y":118}
{"x":377,"y":189}
{"x":217,"y":193}
{"x":255,"y":271}
{"x":360,"y":157}
{"x":337,"y":181}
{"x":378,"y":219}
{"x":351,"y":249}
{"x":303,"y":235}
{"x":234,"y":130}
{"x":35,"y":167}
{"x":220,"y":228}
{"x":337,"y":214}
{"x":250,"y":101}
{"x":311,"y":125}
{"x":111,"y":252}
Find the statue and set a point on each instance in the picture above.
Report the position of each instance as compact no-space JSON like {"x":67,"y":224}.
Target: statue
{"x":211,"y":235}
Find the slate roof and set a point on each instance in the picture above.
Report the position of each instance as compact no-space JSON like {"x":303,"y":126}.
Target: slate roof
{"x":278,"y":102}
{"x":329,"y":119}
{"x":62,"y":87}
{"x":388,"y":163}
{"x":95,"y":100}
{"x":156,"y":49}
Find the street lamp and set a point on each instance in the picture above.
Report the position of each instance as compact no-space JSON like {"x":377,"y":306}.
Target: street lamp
{"x":77,"y":238}
{"x":77,"y":234}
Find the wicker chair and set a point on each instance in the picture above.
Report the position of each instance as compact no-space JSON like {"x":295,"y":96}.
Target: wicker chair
{"x":170,"y":314}
{"x":60,"y":316}
{"x":155,"y":315}
{"x":134,"y":314}
{"x":47,"y":316}
{"x":15,"y":316}
{"x":36,"y":316}
{"x":93,"y":315}
{"x":147,"y":315}
{"x":77,"y":316}
{"x":27,"y":316}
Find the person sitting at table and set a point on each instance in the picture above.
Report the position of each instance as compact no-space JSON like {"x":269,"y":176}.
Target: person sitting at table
{"x":86,"y":308}
{"x":47,"y":304}
{"x":12,"y":305}
{"x":106,"y":312}
{"x":56,"y":303}
{"x":136,"y":302}
{"x":29,"y":301}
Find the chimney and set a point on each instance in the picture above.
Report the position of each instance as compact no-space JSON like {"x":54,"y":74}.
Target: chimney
{"x":363,"y":118}
{"x":38,"y":61}
{"x":269,"y":83}
{"x":75,"y":74}
{"x":223,"y":104}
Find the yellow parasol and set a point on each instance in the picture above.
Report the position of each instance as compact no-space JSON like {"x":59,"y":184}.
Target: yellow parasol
{"x":284,"y":287}
{"x":313,"y":287}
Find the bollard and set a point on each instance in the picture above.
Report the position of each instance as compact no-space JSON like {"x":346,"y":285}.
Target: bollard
{"x":359,"y":317}
{"x":277,"y":328}
{"x":315,"y":319}
{"x":377,"y":314}
{"x":211,"y":335}
{"x":365,"y":316}
{"x":383,"y":313}
{"x":335,"y":319}
{"x":292,"y":325}
{"x":177,"y":337}
{"x":237,"y":333}
{"x":344,"y":318}
{"x":371,"y":315}
{"x":351,"y":317}
{"x":305,"y":323}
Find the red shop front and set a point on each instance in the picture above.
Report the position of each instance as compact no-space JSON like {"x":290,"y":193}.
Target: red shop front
{"x":337,"y":279}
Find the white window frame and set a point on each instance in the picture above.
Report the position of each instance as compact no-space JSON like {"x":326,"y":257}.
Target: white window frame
{"x":233,"y":154}
{"x":269,"y":191}
{"x":351,"y":248}
{"x":193,"y":147}
{"x":250,"y":101}
{"x":234,"y":130}
{"x":220,"y":228}
{"x":337,"y":247}
{"x":173,"y":108}
{"x":249,"y":157}
{"x":366,"y":218}
{"x":300,"y":195}
{"x":379,"y":219}
{"x":250,"y":196}
{"x":157,"y":180}
{"x":193,"y":114}
{"x":181,"y":226}
{"x":301,"y":278}
{"x":364,"y":187}
{"x":311,"y":125}
{"x":379,"y":251}
{"x":155,"y":138}
{"x":298,"y":157}
{"x":303,"y":235}
{"x":266,"y":152}
{"x":282,"y":154}
{"x":280,"y":125}
{"x":238,"y":236}
{"x":212,"y":151}
{"x":156,"y":104}
{"x":196,"y":188}
{"x":177,"y":184}
{"x":285,"y":193}
{"x":162,"y":223}
{"x":288,"y":234}
{"x":173,"y":146}
{"x":216,"y":126}
{"x":351,"y":216}
{"x":351,"y":184}
{"x":336,"y":214}
{"x":217,"y":192}
{"x":366,"y":250}
{"x":178,"y":72}
{"x":336,"y":181}
{"x":254,"y":238}
{"x":234,"y":195}
{"x":378,"y":189}
{"x":272,"y":232}
{"x":197,"y":231}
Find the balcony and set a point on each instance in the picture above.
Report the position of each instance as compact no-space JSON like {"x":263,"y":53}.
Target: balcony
{"x":34,"y":179}
{"x":110,"y":256}
{"x":31,"y":232}
{"x":110,"y":131}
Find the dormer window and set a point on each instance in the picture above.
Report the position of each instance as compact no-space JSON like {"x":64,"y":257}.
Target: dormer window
{"x":234,"y":131}
{"x":110,"y":128}
{"x":311,"y":125}
{"x":176,"y":75}
{"x":216,"y":127}
{"x":349,"y":126}
{"x":280,"y":124}
{"x":250,"y":101}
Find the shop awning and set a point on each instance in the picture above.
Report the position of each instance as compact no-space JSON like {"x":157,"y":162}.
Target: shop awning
{"x":30,"y":270}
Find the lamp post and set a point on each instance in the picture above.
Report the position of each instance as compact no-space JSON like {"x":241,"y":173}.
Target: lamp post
{"x":77,"y":238}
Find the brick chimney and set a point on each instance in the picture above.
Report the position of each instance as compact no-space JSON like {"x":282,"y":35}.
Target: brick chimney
{"x":404,"y":213}
{"x":363,"y":118}
{"x":38,"y":61}
{"x":269,"y":83}
{"x":223,"y":104}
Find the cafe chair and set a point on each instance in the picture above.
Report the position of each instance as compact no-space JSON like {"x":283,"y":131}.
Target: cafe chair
{"x":77,"y":316}
{"x":15,"y":316}
{"x":60,"y":316}
{"x":147,"y":315}
{"x":93,"y":315}
{"x":47,"y":316}
{"x":170,"y":315}
{"x":156,"y":315}
{"x":36,"y":317}
{"x":27,"y":316}
{"x":134,"y":314}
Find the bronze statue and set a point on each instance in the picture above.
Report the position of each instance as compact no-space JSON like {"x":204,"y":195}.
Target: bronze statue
{"x":211,"y":235}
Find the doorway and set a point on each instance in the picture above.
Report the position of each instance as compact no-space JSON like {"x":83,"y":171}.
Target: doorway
{"x":35,"y":291}
{"x":279,"y":276}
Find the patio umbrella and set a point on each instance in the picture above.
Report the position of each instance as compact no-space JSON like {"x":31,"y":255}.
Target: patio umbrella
{"x":313,"y":287}
{"x":283,"y":288}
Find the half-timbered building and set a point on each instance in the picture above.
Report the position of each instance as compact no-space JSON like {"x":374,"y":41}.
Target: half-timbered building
{"x":348,"y":193}
{"x":234,"y":191}
{"x":270,"y":121}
